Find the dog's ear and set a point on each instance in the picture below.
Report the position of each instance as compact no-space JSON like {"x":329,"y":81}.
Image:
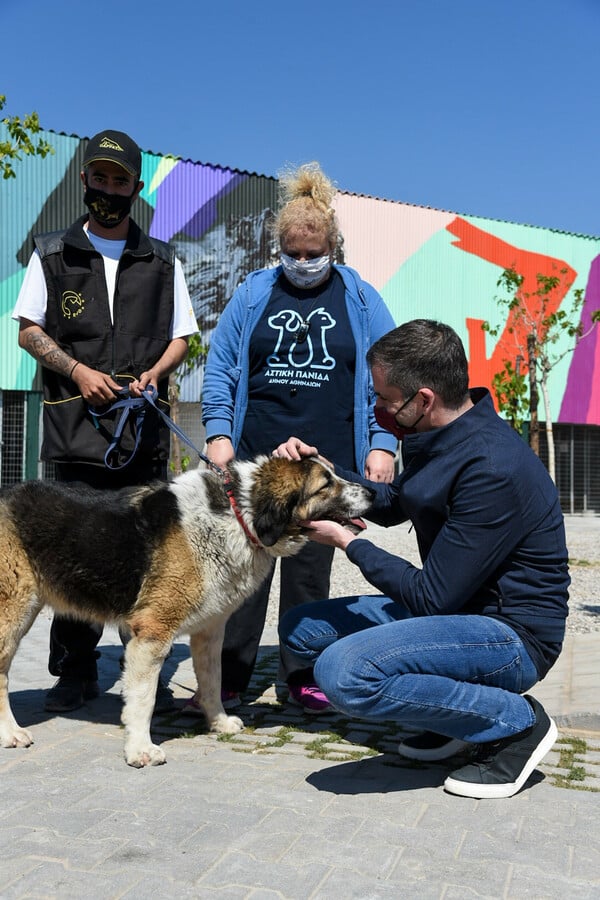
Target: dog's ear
{"x":271,"y":519}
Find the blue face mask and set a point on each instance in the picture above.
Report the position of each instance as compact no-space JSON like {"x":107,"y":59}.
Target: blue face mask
{"x":306,"y":273}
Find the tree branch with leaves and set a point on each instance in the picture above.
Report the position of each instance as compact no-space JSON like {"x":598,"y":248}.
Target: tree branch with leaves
{"x":21,"y":141}
{"x":196,"y":356}
{"x":539,"y":329}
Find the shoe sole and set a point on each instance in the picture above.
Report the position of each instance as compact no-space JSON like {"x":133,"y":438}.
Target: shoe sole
{"x":453,"y":747}
{"x":501,"y":791}
{"x":307,"y":709}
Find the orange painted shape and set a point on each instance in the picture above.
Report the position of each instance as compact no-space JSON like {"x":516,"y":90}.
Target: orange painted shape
{"x":513,"y":338}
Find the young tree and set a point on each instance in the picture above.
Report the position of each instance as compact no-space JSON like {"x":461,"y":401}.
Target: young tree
{"x":20,"y":140}
{"x":536,"y":325}
{"x":510,"y":388}
{"x":197,"y":352}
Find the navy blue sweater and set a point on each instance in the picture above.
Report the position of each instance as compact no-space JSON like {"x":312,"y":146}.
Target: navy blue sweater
{"x":489,"y":528}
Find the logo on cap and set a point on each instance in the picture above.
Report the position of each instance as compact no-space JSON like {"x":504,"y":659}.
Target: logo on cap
{"x":107,"y":144}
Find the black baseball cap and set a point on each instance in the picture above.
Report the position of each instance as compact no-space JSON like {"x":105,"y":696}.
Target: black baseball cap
{"x":115,"y":146}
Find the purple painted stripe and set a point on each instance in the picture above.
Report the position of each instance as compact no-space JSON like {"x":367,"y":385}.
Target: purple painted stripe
{"x":186,"y":200}
{"x":577,"y":406}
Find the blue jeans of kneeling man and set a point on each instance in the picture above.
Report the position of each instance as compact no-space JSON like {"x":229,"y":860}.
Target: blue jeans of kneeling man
{"x":460,"y":675}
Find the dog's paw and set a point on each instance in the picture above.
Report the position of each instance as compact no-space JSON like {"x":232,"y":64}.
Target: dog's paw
{"x":16,"y":737}
{"x":224,"y":724}
{"x":149,"y":756}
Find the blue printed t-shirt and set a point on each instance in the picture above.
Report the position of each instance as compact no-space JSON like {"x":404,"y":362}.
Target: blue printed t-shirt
{"x":302,"y":388}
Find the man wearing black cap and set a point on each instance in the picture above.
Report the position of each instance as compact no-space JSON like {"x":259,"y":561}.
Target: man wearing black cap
{"x":102,"y":306}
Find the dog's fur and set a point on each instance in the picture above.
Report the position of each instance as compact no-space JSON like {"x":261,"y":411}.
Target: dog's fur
{"x":164,"y":559}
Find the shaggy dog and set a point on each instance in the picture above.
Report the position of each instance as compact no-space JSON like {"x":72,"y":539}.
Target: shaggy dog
{"x":164,"y":560}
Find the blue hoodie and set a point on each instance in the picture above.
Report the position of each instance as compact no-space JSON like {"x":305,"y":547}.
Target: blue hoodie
{"x":225,"y":388}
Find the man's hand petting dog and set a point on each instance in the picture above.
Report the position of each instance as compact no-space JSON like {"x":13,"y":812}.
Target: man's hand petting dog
{"x":296,"y":449}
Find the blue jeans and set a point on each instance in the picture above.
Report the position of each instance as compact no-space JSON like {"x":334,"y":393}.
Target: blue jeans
{"x":460,"y":675}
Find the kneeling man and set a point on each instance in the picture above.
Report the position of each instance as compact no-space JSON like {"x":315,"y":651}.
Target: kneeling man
{"x":448,"y":649}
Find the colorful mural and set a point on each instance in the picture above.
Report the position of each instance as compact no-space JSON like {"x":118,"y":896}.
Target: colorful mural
{"x":425,"y":262}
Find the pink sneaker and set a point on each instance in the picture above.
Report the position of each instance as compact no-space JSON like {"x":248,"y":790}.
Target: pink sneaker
{"x":310,"y":697}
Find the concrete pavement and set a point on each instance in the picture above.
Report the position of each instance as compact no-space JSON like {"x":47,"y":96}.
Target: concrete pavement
{"x":294,"y":807}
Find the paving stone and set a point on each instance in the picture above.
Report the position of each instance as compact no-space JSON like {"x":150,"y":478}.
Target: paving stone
{"x":234,"y":818}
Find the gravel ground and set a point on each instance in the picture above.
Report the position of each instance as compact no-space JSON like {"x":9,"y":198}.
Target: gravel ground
{"x":583,"y":540}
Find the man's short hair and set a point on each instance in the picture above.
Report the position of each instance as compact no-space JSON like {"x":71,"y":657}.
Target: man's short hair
{"x":423,"y":353}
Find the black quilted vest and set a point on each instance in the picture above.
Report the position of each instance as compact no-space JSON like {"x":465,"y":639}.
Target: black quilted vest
{"x":78,"y":319}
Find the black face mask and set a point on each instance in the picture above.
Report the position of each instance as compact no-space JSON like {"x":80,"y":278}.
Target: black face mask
{"x":108,"y":210}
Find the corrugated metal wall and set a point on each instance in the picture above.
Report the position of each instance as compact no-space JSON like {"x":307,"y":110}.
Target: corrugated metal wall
{"x":424,"y":262}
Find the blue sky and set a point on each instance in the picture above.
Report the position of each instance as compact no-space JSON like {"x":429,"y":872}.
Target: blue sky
{"x":481,"y":107}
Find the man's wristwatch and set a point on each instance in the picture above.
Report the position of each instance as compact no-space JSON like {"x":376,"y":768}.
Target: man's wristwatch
{"x":218,"y":437}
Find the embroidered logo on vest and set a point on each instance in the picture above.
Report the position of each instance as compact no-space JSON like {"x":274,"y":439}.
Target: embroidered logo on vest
{"x":72,"y":304}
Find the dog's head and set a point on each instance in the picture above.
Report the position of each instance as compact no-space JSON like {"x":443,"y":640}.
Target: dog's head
{"x":283,"y":493}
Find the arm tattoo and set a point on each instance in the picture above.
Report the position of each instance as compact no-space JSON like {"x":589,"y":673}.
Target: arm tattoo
{"x":48,"y":353}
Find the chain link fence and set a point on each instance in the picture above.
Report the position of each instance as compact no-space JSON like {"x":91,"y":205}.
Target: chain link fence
{"x":21,"y":433}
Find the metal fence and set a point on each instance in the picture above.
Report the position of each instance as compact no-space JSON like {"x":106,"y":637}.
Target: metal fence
{"x":577,"y":455}
{"x":577,"y":449}
{"x":21,"y":430}
{"x":20,"y":436}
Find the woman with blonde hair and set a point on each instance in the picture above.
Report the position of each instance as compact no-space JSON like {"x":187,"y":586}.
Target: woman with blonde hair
{"x":289,"y":357}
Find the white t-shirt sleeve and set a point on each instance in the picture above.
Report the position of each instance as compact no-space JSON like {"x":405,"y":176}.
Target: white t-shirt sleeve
{"x":184,"y":320}
{"x":33,"y":297}
{"x":32,"y":301}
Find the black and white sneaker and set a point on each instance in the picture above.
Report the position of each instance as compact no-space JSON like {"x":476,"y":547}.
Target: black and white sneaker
{"x":501,"y":768}
{"x":430,"y":747}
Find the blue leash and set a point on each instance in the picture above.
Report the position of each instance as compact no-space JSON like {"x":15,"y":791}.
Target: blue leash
{"x":137,"y":407}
